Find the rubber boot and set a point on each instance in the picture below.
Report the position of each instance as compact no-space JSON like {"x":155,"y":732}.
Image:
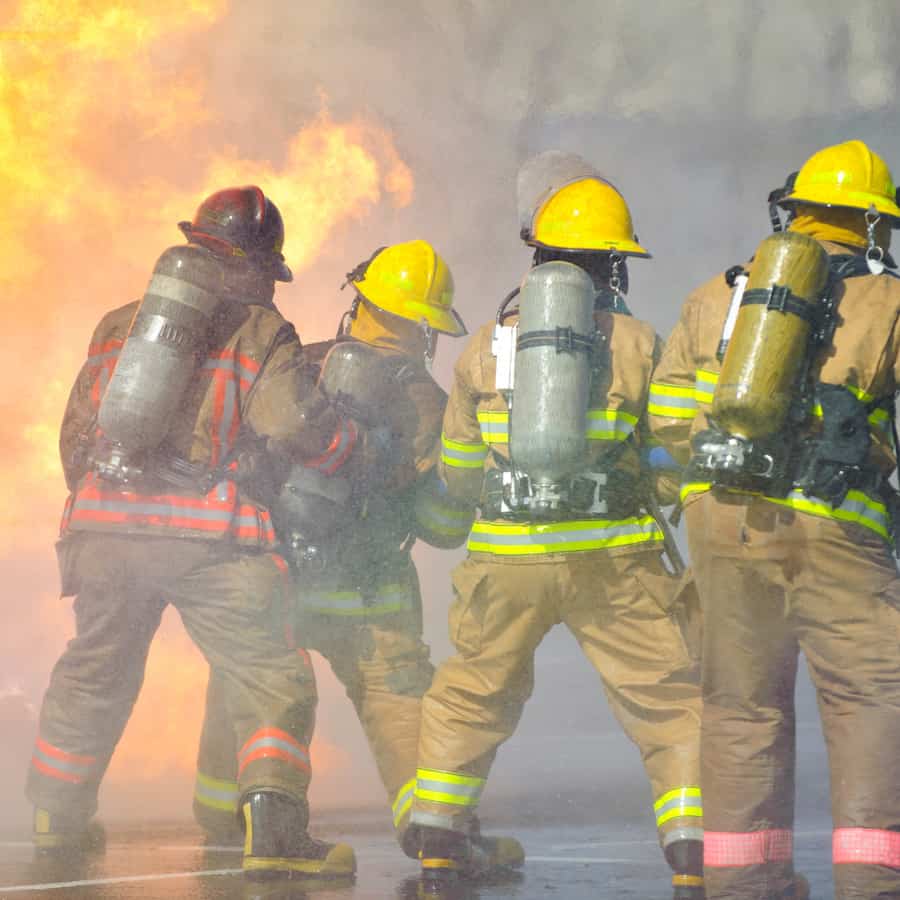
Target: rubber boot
{"x":55,"y":834}
{"x":686,"y":861}
{"x":447,"y":856}
{"x":276,"y":843}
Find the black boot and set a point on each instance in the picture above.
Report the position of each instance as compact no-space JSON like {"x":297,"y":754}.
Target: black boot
{"x":276,"y":842}
{"x":686,"y":861}
{"x":448,"y":855}
{"x":56,"y":834}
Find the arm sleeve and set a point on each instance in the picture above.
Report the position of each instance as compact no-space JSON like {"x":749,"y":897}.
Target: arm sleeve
{"x":286,"y":407}
{"x":672,"y":404}
{"x":658,"y":466}
{"x":74,"y":434}
{"x":463,"y":451}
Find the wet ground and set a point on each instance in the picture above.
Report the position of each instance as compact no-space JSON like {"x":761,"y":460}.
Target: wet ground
{"x":569,"y":863}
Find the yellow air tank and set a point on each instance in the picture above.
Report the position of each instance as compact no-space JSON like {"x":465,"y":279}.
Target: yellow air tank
{"x":766,"y":353}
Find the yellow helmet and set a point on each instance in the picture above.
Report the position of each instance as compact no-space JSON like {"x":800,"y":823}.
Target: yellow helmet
{"x":588,"y":214}
{"x":412,"y":281}
{"x":848,"y":175}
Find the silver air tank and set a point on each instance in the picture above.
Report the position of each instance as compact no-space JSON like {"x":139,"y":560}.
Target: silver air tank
{"x":160,"y":355}
{"x":548,"y":442}
{"x":361,"y":380}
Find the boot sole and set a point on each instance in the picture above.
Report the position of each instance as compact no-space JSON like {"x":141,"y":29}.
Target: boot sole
{"x":262,"y":867}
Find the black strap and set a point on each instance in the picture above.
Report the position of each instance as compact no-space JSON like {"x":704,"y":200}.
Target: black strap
{"x":565,"y":340}
{"x":781,"y":299}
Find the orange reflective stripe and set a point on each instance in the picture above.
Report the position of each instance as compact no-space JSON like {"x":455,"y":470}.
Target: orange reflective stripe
{"x":273,"y":743}
{"x":56,"y":763}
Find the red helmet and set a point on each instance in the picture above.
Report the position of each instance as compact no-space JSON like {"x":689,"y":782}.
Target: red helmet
{"x":241,"y":222}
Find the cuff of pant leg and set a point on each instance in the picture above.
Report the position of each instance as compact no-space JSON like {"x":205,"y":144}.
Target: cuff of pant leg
{"x":460,"y":822}
{"x":681,"y":833}
{"x":288,"y":787}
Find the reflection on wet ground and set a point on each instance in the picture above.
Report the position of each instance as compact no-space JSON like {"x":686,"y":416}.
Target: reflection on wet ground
{"x":171,"y":863}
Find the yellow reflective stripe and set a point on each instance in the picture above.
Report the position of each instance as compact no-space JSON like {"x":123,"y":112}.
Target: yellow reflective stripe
{"x":216,"y":793}
{"x":881,"y":420}
{"x":671,"y":401}
{"x":705,"y":384}
{"x":857,"y":508}
{"x":680,"y":803}
{"x":403,"y":801}
{"x":609,"y":424}
{"x":460,"y":455}
{"x":389,"y":598}
{"x":494,"y":426}
{"x":508,"y":539}
{"x":448,"y":787}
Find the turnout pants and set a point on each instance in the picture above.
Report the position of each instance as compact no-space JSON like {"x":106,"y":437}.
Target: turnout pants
{"x":772,"y":582}
{"x":231,"y":603}
{"x":372,"y":637}
{"x":620,"y":609}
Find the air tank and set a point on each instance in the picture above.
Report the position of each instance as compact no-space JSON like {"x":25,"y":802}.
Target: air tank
{"x":360,"y":380}
{"x":311,"y":504}
{"x":767,"y":351}
{"x":164,"y":345}
{"x":553,"y":374}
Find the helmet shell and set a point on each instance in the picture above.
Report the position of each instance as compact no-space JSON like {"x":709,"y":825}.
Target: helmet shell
{"x":241,"y":222}
{"x":411,"y":280}
{"x":588,"y":214}
{"x":848,"y":175}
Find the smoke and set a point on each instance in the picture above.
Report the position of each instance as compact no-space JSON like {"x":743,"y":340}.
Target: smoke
{"x":371,"y":124}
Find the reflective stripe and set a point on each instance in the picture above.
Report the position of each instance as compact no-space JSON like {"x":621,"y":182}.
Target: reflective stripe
{"x":218,"y":512}
{"x":857,"y":508}
{"x":609,"y":424}
{"x":441,"y":518}
{"x":459,"y":455}
{"x":448,"y":787}
{"x":704,"y":385}
{"x":403,"y":801}
{"x":215,"y":793}
{"x":56,"y":763}
{"x":683,"y":802}
{"x":865,"y":846}
{"x":510,"y":539}
{"x":389,"y":598}
{"x":672,"y":401}
{"x":494,"y":426}
{"x":273,"y":743}
{"x":601,"y":425}
{"x":880,"y":419}
{"x":338,"y":450}
{"x":722,"y":849}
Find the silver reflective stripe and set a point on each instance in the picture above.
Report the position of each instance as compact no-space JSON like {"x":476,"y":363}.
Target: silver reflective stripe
{"x":80,"y":769}
{"x":436,"y":820}
{"x":463,"y":791}
{"x":682,"y":834}
{"x":293,"y":749}
{"x":230,"y":365}
{"x":169,"y":288}
{"x":397,"y":597}
{"x":98,"y":358}
{"x":478,"y":452}
{"x":227,"y":795}
{"x":153,"y":509}
{"x":563,"y":537}
{"x":672,"y":400}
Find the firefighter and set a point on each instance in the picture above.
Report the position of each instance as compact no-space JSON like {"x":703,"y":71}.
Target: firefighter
{"x":788,"y":513}
{"x":361,"y":608}
{"x":174,"y":419}
{"x":541,"y":555}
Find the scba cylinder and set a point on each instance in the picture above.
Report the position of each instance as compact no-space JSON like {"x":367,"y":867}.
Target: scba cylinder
{"x":548,"y":441}
{"x":160,"y":355}
{"x":766,"y":353}
{"x":361,"y":380}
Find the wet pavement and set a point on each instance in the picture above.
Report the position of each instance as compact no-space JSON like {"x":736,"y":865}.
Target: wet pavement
{"x":569,"y":863}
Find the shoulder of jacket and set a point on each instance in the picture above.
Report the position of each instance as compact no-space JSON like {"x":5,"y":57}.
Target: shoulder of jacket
{"x":633,"y":329}
{"x":116,"y":320}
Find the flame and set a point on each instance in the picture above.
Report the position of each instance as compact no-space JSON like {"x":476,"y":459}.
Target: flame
{"x":108,"y":136}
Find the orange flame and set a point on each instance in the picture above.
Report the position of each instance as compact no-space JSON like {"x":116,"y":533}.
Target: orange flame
{"x":104,"y":145}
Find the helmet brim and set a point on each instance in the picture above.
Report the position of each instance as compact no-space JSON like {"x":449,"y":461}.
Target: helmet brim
{"x":623,"y":248}
{"x":860,"y":200}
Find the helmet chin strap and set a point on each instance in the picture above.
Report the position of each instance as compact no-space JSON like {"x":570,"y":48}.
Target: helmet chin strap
{"x":874,"y":253}
{"x":430,"y":343}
